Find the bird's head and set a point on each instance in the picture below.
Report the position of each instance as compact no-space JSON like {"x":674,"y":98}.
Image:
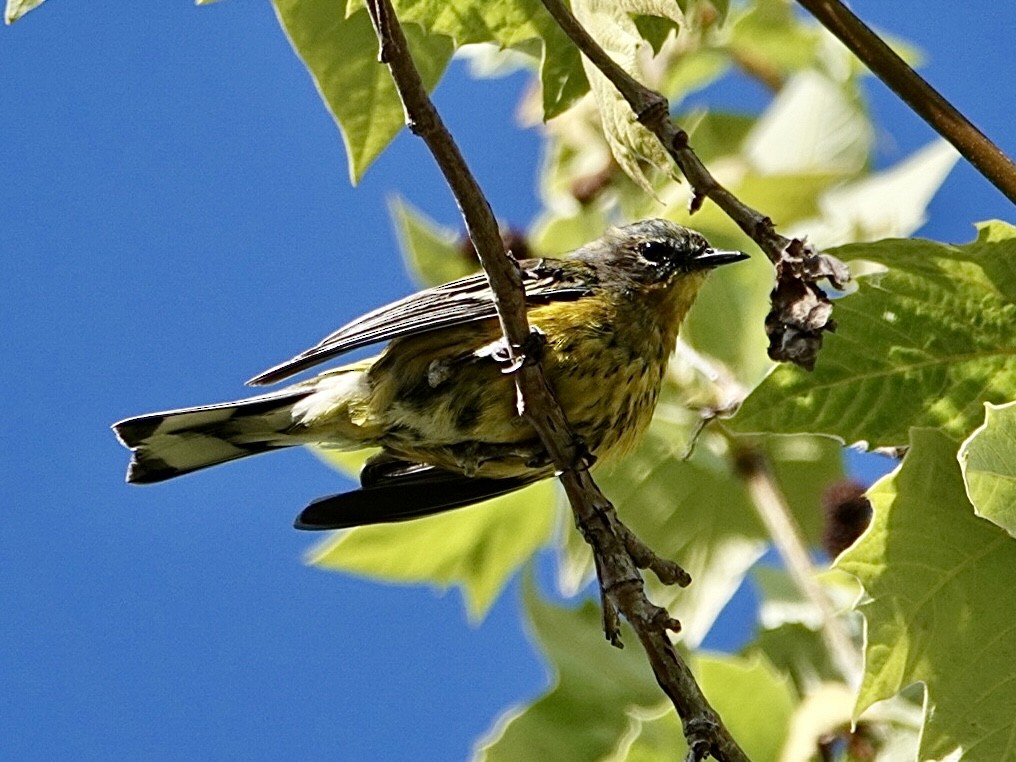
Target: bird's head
{"x":655,"y":253}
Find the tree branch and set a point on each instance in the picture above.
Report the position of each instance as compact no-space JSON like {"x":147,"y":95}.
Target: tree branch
{"x":926,"y":102}
{"x":613,"y":545}
{"x":801,"y":312}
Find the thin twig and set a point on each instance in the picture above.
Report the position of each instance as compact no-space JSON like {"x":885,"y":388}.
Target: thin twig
{"x":926,"y":102}
{"x":771,"y":506}
{"x":619,"y":578}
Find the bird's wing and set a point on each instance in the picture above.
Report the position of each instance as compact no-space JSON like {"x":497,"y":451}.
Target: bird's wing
{"x":398,"y":490}
{"x":461,"y":301}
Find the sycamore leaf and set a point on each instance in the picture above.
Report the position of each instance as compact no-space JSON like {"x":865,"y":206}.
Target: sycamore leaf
{"x":771,"y":32}
{"x":341,"y":54}
{"x":612,"y":26}
{"x":432,"y":253}
{"x":988,"y":460}
{"x":924,"y":343}
{"x":890,"y":203}
{"x":696,"y":511}
{"x":477,"y":549}
{"x":583,"y":715}
{"x":508,"y":23}
{"x":813,"y":126}
{"x":17,"y":8}
{"x":736,"y":687}
{"x":939,"y":606}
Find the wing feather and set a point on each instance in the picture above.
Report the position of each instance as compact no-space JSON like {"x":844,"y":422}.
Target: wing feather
{"x":461,"y":301}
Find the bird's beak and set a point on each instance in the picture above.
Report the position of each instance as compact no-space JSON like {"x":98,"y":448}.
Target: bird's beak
{"x":710,"y":258}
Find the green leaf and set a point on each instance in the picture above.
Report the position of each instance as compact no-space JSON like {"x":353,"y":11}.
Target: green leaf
{"x":716,"y":134}
{"x":988,"y":460}
{"x":798,"y":651}
{"x":940,"y":607}
{"x":17,"y":8}
{"x":736,"y":688}
{"x":612,"y":26}
{"x":697,"y":512}
{"x":584,"y":713}
{"x":655,"y":30}
{"x":508,"y":23}
{"x":830,"y":132}
{"x":477,"y":549}
{"x":770,"y":31}
{"x":891,"y":203}
{"x":925,"y":343}
{"x":341,"y":54}
{"x":432,"y":253}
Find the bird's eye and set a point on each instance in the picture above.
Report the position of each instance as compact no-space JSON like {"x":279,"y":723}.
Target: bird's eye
{"x":655,"y":251}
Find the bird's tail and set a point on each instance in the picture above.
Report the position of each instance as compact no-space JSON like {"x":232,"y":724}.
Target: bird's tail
{"x":176,"y":442}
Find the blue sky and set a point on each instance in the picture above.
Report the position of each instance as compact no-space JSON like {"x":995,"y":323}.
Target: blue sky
{"x":177,"y":217}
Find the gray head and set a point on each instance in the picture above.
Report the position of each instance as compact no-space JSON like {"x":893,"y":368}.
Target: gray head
{"x":655,"y":251}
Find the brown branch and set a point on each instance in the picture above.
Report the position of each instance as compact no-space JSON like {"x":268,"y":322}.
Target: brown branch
{"x":926,"y":102}
{"x":613,"y":545}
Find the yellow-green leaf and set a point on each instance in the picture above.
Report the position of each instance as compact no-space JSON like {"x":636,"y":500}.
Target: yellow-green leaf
{"x":697,"y":512}
{"x":939,"y":607}
{"x":924,"y":343}
{"x":432,"y":253}
{"x":584,"y":713}
{"x":508,"y":23}
{"x":17,"y":8}
{"x":341,"y":54}
{"x":612,"y":26}
{"x":736,"y":687}
{"x":477,"y":549}
{"x":988,"y":460}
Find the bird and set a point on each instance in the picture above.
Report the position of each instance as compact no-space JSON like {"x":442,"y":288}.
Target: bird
{"x":438,"y":400}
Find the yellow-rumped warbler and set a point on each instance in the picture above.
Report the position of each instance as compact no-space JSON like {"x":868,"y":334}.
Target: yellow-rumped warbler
{"x":437,"y":400}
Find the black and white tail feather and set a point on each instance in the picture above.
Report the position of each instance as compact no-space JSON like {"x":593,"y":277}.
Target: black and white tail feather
{"x":176,"y":442}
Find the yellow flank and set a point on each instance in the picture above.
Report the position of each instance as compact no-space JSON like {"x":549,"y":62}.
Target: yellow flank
{"x":440,"y":398}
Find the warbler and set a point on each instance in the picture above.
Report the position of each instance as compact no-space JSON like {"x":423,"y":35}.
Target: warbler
{"x":438,"y":400}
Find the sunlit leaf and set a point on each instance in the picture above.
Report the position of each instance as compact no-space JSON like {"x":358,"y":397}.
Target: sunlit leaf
{"x":769,"y":31}
{"x":736,"y":688}
{"x":813,"y":126}
{"x":511,"y":23}
{"x":432,"y":253}
{"x":696,"y":512}
{"x":341,"y":54}
{"x":15,"y":9}
{"x":584,"y":713}
{"x":890,"y":203}
{"x":925,"y":343}
{"x":692,"y":72}
{"x":477,"y":549}
{"x":940,"y":608}
{"x":988,"y":460}
{"x":613,"y":28}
